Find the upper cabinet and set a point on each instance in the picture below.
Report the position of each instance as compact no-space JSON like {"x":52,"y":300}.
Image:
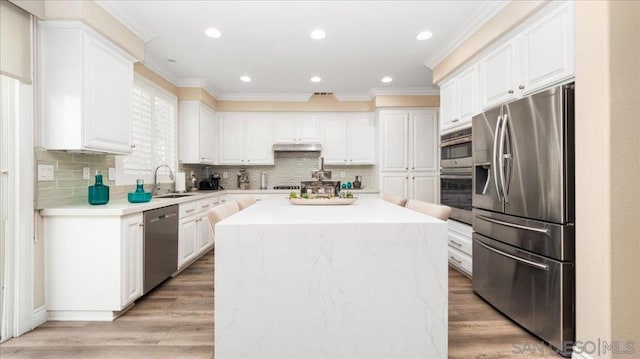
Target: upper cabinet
{"x":86,"y":85}
{"x":198,"y":132}
{"x":245,"y":139}
{"x":348,"y":138}
{"x":459,"y":100}
{"x":296,"y":128}
{"x":538,"y":56}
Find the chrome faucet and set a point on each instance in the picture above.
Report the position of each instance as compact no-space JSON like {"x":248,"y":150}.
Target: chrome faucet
{"x":156,"y":185}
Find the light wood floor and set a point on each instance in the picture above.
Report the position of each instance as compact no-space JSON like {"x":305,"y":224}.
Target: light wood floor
{"x":176,"y":321}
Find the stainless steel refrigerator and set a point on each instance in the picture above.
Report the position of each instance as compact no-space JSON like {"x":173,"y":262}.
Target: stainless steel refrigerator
{"x":523,"y":213}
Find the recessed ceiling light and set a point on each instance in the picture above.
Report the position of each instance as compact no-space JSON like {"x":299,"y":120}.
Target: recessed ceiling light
{"x":318,"y":34}
{"x":172,"y":60}
{"x":213,"y":32}
{"x":315,"y":79}
{"x":386,"y":79}
{"x":424,"y":35}
{"x":245,"y":78}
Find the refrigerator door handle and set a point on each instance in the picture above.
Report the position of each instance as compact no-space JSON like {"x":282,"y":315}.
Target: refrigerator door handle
{"x":519,"y":226}
{"x":543,"y":267}
{"x":494,"y":165}
{"x":501,"y":157}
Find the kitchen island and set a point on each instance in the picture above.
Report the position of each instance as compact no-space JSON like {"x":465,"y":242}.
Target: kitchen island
{"x":367,"y":280}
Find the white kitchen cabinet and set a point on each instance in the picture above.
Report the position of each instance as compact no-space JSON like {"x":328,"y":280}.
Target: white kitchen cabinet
{"x":204,"y":229}
{"x":409,"y":153}
{"x":187,"y":240}
{"x":449,"y":104}
{"x":132,"y":258}
{"x":198,"y":135}
{"x":348,"y":139}
{"x":460,"y":252}
{"x":459,"y":100}
{"x":94,"y":266}
{"x":246,"y":139}
{"x":195,"y":236}
{"x":86,"y":85}
{"x":538,"y":56}
{"x":296,"y":128}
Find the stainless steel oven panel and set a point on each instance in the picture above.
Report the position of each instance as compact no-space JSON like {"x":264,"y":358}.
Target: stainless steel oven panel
{"x":461,"y":215}
{"x":458,"y":162}
{"x":547,"y":239}
{"x":534,"y":291}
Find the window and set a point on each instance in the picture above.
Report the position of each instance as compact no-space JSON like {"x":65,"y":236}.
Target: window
{"x":153,"y":131}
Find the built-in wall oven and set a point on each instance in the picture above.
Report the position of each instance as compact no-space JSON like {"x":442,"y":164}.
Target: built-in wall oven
{"x":456,"y":174}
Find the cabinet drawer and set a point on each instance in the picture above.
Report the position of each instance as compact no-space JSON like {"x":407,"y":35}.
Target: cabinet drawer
{"x":189,"y":208}
{"x":204,"y":205}
{"x":460,"y":242}
{"x":460,"y":260}
{"x":459,"y":227}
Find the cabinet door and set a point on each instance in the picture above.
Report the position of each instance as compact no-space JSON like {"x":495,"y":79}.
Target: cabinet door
{"x":467,"y":95}
{"x":393,"y":127}
{"x":131,"y":259}
{"x":361,"y":140}
{"x":107,"y":98}
{"x":334,"y":139}
{"x":424,"y":187}
{"x":424,"y":140}
{"x":498,"y":74}
{"x":207,"y":135}
{"x":395,"y":184}
{"x":547,"y":50}
{"x":449,"y":105}
{"x":231,"y":139}
{"x":258,"y":139}
{"x":284,"y":128}
{"x":307,"y":128}
{"x":187,"y":240}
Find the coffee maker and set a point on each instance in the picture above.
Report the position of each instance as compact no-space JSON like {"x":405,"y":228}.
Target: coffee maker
{"x":211,"y":183}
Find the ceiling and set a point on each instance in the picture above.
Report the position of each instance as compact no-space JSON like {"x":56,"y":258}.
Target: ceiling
{"x":270,"y":42}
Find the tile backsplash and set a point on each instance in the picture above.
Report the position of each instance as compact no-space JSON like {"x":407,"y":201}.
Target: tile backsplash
{"x":68,"y":187}
{"x":289,"y":169}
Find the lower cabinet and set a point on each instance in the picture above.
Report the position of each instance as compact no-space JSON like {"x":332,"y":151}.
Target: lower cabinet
{"x":94,"y":266}
{"x":416,"y":185}
{"x":195,"y":236}
{"x":460,"y":247}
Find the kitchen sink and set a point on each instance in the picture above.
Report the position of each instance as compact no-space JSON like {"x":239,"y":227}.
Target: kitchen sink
{"x":173,"y":195}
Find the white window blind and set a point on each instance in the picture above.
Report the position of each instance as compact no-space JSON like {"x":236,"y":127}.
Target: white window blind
{"x":153,"y":131}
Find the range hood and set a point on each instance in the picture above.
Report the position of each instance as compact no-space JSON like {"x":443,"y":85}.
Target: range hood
{"x":297,"y":147}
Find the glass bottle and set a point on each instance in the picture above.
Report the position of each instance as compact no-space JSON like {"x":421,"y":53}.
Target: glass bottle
{"x":99,"y":192}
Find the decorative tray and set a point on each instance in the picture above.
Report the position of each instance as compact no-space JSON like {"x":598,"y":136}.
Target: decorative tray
{"x":335,"y":201}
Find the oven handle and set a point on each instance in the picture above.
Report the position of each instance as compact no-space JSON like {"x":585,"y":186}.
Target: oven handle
{"x":455,"y":141}
{"x":455,"y":177}
{"x":515,"y":258}
{"x":532,"y":229}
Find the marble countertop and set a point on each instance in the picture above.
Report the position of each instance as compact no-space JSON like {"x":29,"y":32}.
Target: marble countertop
{"x":123,"y":208}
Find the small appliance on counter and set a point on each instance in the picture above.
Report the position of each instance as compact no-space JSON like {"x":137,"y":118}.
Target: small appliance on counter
{"x":263,"y":180}
{"x":193,"y":186}
{"x":357,"y":184}
{"x":243,"y":179}
{"x":211,"y":183}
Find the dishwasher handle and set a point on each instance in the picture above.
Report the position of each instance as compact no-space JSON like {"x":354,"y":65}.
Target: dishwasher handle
{"x":164,"y":216}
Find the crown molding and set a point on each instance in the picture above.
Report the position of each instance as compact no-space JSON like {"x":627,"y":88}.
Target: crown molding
{"x":192,"y":82}
{"x":353,"y":96}
{"x":473,"y":23}
{"x":135,"y":26}
{"x":398,"y":91}
{"x":241,"y":96}
{"x":161,"y":69}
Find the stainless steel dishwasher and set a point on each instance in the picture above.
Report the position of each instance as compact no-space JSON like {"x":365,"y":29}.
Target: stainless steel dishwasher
{"x":160,"y":245}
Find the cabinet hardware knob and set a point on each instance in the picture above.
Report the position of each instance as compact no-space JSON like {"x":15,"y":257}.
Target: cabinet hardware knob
{"x":510,"y":91}
{"x":413,"y":178}
{"x":455,"y":243}
{"x":521,"y":87}
{"x":406,"y":177}
{"x":455,"y":120}
{"x":133,"y":146}
{"x":406,"y":168}
{"x":248,"y":161}
{"x":5,"y":171}
{"x":140,"y":224}
{"x":413,"y":168}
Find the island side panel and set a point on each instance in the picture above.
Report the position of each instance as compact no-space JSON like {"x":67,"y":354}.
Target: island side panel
{"x":331,"y":290}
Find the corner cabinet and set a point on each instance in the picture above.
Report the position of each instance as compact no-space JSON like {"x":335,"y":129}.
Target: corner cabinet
{"x":348,"y":138}
{"x":198,"y":133}
{"x":86,"y":89}
{"x":409,"y":153}
{"x":92,"y":274}
{"x":245,"y":139}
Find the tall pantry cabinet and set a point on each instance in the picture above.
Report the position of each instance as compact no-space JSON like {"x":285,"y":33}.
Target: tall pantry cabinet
{"x":409,"y":153}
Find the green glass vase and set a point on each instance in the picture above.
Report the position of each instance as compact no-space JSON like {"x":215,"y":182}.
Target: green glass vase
{"x":99,"y":192}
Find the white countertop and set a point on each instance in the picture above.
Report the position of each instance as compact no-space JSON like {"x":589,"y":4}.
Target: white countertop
{"x":364,"y":210}
{"x":123,"y":208}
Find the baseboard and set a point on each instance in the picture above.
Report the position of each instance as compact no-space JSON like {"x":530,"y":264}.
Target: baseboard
{"x":582,"y":355}
{"x":39,"y":316}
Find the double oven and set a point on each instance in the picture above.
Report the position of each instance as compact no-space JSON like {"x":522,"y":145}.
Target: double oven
{"x":456,"y":174}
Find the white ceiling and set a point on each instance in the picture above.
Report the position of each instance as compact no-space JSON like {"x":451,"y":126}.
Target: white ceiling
{"x":269,"y":41}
